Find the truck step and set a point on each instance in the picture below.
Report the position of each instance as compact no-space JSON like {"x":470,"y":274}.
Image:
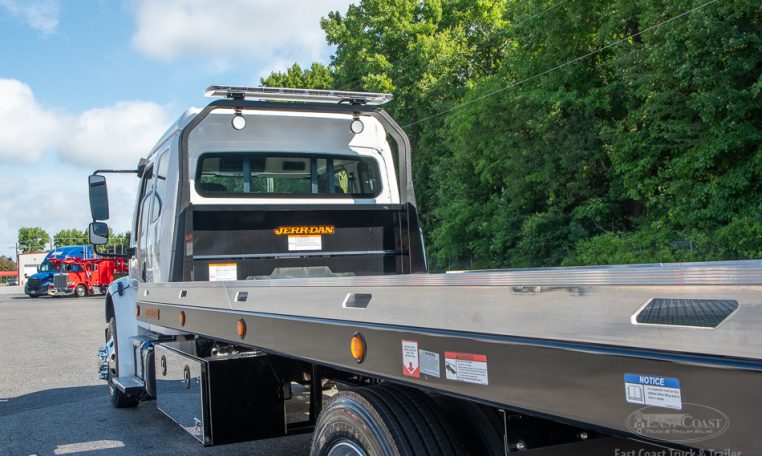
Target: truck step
{"x":131,"y":385}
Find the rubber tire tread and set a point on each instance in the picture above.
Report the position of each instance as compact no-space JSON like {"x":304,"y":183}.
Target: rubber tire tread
{"x":445,"y":441}
{"x":481,"y":433}
{"x":118,"y":399}
{"x":410,"y":439}
{"x":420,"y":423}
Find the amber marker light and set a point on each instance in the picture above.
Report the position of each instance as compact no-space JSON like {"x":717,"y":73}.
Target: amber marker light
{"x":357,"y":347}
{"x":137,"y":310}
{"x":181,"y":317}
{"x":241,"y":328}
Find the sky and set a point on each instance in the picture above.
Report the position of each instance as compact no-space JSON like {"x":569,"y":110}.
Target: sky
{"x":88,"y":84}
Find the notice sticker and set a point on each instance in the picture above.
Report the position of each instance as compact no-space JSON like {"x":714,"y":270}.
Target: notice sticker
{"x":305,"y":243}
{"x":466,"y":367}
{"x":224,"y":271}
{"x":429,"y":363}
{"x":655,"y":391}
{"x":410,"y":366}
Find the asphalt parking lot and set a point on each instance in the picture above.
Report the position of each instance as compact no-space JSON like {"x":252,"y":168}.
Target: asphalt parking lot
{"x":52,"y":402}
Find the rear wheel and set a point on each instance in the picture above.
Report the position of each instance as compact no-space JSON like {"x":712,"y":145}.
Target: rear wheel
{"x":383,"y":421}
{"x":80,"y":291}
{"x":479,"y":427}
{"x":118,"y":398}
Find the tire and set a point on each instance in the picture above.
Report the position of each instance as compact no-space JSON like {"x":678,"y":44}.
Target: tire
{"x":379,"y":421}
{"x":80,"y":291}
{"x":478,"y":427}
{"x":118,"y":398}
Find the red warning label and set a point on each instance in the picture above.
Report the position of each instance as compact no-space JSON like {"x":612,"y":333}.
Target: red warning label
{"x":410,"y":365}
{"x":466,"y":367}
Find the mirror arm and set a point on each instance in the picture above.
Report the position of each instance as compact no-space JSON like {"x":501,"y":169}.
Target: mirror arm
{"x":115,"y":171}
{"x":139,"y":170}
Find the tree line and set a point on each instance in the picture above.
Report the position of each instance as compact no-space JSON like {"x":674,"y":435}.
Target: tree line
{"x":36,"y":239}
{"x":567,"y":132}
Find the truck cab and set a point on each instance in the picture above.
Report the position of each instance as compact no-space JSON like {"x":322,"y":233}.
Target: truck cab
{"x":247,"y":189}
{"x":39,"y":283}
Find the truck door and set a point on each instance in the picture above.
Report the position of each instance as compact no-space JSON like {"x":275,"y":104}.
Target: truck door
{"x":145,"y":200}
{"x":153,"y":243}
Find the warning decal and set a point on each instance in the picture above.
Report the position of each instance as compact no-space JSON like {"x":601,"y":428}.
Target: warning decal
{"x":223,"y":271}
{"x":429,"y":362}
{"x":305,"y":243}
{"x":466,"y":367}
{"x":410,"y":367}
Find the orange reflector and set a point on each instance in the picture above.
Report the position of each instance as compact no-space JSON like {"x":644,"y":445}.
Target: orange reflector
{"x":137,"y":310}
{"x":357,"y":347}
{"x":241,"y":328}
{"x":182,"y":318}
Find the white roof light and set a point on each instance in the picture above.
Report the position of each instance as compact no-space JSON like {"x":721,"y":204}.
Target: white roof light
{"x":303,"y":95}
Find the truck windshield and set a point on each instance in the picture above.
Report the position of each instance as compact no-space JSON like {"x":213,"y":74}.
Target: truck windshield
{"x":47,"y":267}
{"x":273,"y":174}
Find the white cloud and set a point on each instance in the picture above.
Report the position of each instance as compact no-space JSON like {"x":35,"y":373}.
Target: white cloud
{"x":46,"y":155}
{"x":261,"y":30}
{"x":27,"y":129}
{"x":41,"y":15}
{"x":113,"y":137}
{"x":55,"y":198}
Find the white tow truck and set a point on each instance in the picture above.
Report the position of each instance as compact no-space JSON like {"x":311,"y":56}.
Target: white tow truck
{"x":276,"y":246}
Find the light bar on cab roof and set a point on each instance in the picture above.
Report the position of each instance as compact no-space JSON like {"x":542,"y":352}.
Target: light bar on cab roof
{"x":303,"y":95}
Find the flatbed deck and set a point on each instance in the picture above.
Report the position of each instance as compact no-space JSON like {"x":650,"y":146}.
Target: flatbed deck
{"x":563,"y":343}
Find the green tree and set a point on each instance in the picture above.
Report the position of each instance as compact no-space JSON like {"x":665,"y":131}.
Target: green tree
{"x":33,"y":239}
{"x":71,"y":236}
{"x":119,"y":239}
{"x":7,"y":264}
{"x":318,"y":76}
{"x":555,"y":132}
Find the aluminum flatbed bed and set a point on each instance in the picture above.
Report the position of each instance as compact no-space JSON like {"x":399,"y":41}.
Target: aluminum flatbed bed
{"x":666,"y":353}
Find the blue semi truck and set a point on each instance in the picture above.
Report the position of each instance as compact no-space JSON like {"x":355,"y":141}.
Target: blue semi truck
{"x":37,"y":284}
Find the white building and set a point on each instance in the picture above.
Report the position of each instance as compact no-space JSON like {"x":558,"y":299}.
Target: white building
{"x":28,"y":264}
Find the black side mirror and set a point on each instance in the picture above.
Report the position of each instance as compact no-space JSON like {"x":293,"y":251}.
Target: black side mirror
{"x":98,"y":233}
{"x":98,"y":197}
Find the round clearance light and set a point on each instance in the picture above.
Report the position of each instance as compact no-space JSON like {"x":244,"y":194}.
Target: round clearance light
{"x":137,"y":310}
{"x":181,"y":317}
{"x":357,"y":347}
{"x":241,"y":327}
{"x":357,"y":126}
{"x":238,"y":122}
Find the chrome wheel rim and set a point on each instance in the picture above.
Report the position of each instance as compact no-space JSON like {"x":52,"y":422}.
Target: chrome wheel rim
{"x":345,"y":447}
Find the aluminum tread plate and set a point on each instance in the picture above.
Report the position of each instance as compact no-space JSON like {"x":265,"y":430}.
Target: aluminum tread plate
{"x":703,"y":313}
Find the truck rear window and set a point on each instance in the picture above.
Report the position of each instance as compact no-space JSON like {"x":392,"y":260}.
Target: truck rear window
{"x":275,"y":174}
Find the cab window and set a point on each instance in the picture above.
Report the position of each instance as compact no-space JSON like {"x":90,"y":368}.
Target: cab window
{"x":262,"y":174}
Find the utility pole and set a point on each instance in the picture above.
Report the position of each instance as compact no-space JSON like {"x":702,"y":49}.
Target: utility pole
{"x":18,"y":265}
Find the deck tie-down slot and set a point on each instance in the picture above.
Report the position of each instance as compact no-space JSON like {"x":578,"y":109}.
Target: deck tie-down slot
{"x":701,"y":313}
{"x":357,"y":300}
{"x":241,"y":296}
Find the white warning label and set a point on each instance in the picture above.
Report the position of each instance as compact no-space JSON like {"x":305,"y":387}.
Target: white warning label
{"x":466,"y":367}
{"x":429,"y":362}
{"x":410,"y":366}
{"x":650,"y":390}
{"x":223,"y":271}
{"x":305,"y":242}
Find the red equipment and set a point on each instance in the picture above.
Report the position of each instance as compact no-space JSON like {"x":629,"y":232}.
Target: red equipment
{"x":82,"y":277}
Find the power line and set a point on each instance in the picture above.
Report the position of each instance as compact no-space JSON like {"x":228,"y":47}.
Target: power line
{"x":577,"y":59}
